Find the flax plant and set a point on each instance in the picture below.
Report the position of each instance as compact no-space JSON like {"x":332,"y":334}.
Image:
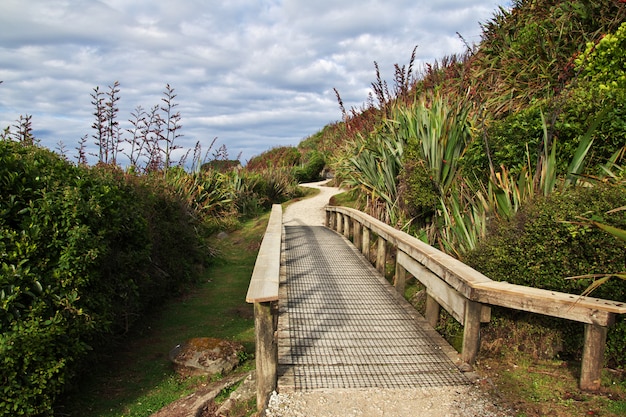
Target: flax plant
{"x":464,"y":213}
{"x":439,"y":131}
{"x":373,"y":170}
{"x":208,"y":194}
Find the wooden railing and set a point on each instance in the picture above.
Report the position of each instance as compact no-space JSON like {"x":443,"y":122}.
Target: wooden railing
{"x":467,"y":294}
{"x":263,"y":292}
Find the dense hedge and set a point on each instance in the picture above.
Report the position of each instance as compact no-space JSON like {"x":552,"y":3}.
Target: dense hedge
{"x":82,"y":251}
{"x":540,"y":247}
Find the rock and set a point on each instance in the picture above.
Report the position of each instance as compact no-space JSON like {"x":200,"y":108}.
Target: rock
{"x":245,"y":392}
{"x":206,"y":356}
{"x":202,"y":402}
{"x":222,"y":235}
{"x":465,"y":367}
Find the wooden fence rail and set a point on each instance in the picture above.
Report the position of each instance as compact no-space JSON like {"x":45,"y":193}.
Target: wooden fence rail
{"x":467,"y":294}
{"x":263,"y":292}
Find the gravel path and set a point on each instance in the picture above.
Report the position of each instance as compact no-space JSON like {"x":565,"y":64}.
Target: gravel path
{"x":310,"y":211}
{"x":455,"y":401}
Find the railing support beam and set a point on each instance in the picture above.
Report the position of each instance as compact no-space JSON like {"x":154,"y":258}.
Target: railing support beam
{"x":400,"y":279}
{"x":471,"y":332}
{"x":381,"y":255}
{"x":365,"y":245}
{"x":593,"y":357}
{"x":346,"y":226}
{"x":266,"y":352}
{"x":356,"y":238}
{"x":432,"y":311}
{"x":263,"y":294}
{"x":467,"y":294}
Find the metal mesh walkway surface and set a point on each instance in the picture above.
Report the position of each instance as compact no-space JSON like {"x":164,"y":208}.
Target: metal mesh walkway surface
{"x":342,"y":325}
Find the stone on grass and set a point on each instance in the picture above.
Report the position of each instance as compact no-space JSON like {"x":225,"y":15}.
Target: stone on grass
{"x":206,"y":356}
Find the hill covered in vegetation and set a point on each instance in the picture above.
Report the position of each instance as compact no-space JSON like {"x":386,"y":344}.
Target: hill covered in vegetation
{"x":507,"y":156}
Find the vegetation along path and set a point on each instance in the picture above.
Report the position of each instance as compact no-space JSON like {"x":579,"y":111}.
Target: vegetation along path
{"x":347,"y":345}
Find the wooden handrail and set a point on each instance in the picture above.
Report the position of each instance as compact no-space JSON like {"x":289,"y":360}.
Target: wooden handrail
{"x":265,"y":276}
{"x":263,"y":292}
{"x":467,"y":294}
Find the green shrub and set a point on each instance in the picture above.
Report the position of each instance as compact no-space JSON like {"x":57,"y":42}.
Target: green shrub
{"x":312,"y":169}
{"x":47,"y":255}
{"x":584,"y":105}
{"x":510,"y":138}
{"x":540,"y":247}
{"x":603,"y":62}
{"x":418,"y":194}
{"x":83,"y":252}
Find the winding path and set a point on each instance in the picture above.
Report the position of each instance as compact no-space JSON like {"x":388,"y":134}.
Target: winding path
{"x":347,"y":345}
{"x":310,"y":211}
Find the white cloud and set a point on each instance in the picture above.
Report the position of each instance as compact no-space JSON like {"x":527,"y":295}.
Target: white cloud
{"x":256,"y":74}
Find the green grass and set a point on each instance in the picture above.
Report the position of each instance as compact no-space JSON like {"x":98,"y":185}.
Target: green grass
{"x":346,"y":199}
{"x":138,"y":379}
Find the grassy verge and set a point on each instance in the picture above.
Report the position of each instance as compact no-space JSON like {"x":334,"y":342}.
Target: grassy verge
{"x":138,"y":379}
{"x":344,"y":199}
{"x":534,"y":387}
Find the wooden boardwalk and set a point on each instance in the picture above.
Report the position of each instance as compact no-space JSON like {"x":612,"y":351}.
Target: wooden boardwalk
{"x":342,"y":325}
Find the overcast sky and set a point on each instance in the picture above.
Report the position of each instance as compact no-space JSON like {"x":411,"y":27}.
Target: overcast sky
{"x":256,"y":74}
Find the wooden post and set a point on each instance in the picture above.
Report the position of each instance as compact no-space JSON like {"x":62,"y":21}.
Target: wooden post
{"x":329,"y":217}
{"x":365,"y":245}
{"x":346,"y":226}
{"x":356,"y":238}
{"x":471,"y":332}
{"x":381,"y":255}
{"x":432,"y":311}
{"x":593,"y":357}
{"x":400,"y":281}
{"x":266,"y":353}
{"x":339,"y":228}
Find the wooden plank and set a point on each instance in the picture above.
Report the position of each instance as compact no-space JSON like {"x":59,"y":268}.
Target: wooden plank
{"x":266,"y":274}
{"x":438,"y":289}
{"x":550,"y":303}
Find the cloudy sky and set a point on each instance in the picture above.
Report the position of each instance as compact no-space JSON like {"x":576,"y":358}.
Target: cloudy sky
{"x":256,"y":74}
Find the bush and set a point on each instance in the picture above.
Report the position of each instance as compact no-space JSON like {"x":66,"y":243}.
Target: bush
{"x":83,"y":251}
{"x":312,"y":169}
{"x":585,"y":105}
{"x":540,"y":248}
{"x":510,"y":138}
{"x":418,"y":194}
{"x":603,"y":62}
